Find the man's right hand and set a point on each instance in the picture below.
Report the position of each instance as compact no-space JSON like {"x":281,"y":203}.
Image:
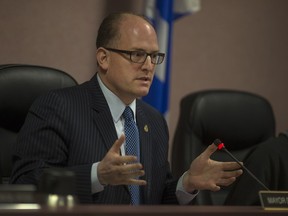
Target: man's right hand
{"x":115,"y":169}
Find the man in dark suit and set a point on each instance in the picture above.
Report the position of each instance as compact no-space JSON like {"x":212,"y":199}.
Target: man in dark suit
{"x":82,"y":129}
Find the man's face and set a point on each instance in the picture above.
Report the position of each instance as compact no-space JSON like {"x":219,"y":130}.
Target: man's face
{"x":126,"y":79}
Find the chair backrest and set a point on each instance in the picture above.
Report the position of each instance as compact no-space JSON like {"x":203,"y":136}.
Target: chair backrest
{"x":19,"y":87}
{"x":268,"y":162}
{"x":239,"y":119}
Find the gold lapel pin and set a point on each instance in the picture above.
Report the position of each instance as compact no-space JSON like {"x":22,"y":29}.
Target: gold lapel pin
{"x":146,"y":128}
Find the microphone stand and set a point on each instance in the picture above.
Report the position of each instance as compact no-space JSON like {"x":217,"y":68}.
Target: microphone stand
{"x":221,"y":146}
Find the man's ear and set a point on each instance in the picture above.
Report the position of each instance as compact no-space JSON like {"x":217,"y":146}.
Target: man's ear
{"x":102,"y":57}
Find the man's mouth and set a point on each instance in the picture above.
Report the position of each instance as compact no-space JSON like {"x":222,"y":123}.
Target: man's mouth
{"x":145,"y":79}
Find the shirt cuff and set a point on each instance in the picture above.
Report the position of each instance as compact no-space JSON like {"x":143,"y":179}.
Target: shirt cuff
{"x":96,"y":186}
{"x":183,"y":196}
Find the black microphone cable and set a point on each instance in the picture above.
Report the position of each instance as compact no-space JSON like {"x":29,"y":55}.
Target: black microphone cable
{"x":221,"y":146}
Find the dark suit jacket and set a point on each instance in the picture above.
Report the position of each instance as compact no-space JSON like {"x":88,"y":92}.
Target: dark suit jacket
{"x":73,"y":128}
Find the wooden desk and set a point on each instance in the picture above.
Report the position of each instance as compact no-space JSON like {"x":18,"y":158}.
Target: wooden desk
{"x":116,"y":210}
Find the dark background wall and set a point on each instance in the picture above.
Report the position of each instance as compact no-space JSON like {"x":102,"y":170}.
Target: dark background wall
{"x":235,"y":44}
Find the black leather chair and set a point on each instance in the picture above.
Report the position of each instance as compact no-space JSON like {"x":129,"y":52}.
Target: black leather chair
{"x":269,"y":163}
{"x":6,"y":65}
{"x":241,"y":120}
{"x":19,"y":87}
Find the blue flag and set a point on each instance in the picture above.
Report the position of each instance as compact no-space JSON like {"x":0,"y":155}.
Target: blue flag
{"x":162,"y":14}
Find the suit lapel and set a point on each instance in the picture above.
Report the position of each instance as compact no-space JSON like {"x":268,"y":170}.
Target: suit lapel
{"x":146,"y":148}
{"x":102,"y":115}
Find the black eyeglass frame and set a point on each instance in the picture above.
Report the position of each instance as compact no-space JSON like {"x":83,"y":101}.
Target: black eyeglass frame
{"x":159,"y":55}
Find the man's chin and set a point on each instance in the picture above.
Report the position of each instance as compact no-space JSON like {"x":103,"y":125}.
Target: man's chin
{"x":143,"y":94}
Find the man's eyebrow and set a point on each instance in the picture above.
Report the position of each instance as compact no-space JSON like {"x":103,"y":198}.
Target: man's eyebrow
{"x":140,"y":49}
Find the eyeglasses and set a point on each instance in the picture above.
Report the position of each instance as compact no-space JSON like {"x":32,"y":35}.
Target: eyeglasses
{"x":140,"y":56}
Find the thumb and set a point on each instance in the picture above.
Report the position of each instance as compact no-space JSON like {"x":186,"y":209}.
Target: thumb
{"x":210,"y":150}
{"x":117,"y":145}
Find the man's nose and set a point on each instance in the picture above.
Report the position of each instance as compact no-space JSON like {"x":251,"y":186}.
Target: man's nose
{"x":148,"y":63}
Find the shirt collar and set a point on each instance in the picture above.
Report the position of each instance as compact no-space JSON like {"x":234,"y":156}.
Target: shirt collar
{"x":116,"y":106}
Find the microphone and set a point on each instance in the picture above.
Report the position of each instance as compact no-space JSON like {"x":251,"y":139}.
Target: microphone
{"x":221,"y":146}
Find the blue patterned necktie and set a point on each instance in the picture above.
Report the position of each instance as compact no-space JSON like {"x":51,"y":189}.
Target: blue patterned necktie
{"x":132,"y":148}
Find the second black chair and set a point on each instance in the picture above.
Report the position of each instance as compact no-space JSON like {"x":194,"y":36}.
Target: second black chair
{"x":239,"y":119}
{"x":19,"y":87}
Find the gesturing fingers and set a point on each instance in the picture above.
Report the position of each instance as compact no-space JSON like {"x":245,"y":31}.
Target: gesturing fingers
{"x":125,"y":174}
{"x":117,"y":145}
{"x":131,"y":177}
{"x":122,"y":170}
{"x":130,"y":167}
{"x":234,"y":173}
{"x":129,"y":159}
{"x":115,"y":169}
{"x":226,"y":178}
{"x":231,"y":165}
{"x":209,"y":151}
